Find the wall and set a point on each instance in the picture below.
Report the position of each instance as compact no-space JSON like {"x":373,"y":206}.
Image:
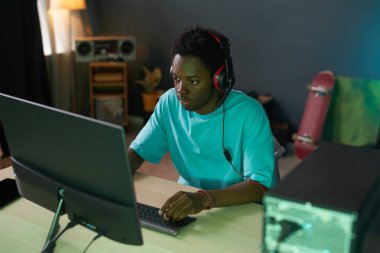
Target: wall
{"x":277,"y":45}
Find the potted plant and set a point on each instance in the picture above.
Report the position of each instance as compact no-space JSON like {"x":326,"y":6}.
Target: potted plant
{"x":150,"y":83}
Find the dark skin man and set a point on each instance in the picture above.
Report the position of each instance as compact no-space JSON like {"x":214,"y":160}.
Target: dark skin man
{"x":193,"y":84}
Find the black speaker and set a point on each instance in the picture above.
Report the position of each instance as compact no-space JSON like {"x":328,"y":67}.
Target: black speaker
{"x":115,"y":48}
{"x":326,"y":203}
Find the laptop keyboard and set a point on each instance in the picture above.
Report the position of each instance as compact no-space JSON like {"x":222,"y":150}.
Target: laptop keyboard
{"x":150,"y":218}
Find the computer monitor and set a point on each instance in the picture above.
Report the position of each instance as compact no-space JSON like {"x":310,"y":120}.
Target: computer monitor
{"x":54,"y":151}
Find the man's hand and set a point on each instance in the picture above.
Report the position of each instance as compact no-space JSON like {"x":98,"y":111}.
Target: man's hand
{"x":182,"y":204}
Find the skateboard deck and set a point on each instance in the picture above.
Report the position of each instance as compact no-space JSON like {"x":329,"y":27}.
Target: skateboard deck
{"x":314,"y":115}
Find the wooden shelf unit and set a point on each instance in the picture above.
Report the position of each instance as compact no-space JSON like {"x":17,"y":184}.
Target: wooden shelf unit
{"x":108,"y":80}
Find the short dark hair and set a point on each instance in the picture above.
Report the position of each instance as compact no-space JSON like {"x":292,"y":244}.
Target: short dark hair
{"x":198,"y":41}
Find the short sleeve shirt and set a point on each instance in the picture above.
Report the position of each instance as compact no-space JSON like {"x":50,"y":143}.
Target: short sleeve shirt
{"x":196,"y":147}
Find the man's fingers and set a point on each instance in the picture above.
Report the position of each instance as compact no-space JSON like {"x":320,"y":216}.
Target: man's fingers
{"x":182,"y":204}
{"x":180,"y":207}
{"x":168,"y":203}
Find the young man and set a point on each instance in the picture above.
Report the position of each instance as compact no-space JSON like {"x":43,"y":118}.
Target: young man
{"x":219,"y":139}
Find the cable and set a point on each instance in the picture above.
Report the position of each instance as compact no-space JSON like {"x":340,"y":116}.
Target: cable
{"x":226,"y":153}
{"x":49,"y":246}
{"x":69,"y":225}
{"x":54,"y":227}
{"x":224,"y":112}
{"x":93,"y":239}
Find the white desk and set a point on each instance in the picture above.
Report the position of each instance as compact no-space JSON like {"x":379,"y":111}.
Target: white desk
{"x":25,"y":225}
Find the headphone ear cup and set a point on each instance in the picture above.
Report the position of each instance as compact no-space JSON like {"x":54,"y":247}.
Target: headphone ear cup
{"x":220,"y":79}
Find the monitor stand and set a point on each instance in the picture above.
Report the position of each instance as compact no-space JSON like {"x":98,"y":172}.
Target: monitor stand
{"x":54,"y":227}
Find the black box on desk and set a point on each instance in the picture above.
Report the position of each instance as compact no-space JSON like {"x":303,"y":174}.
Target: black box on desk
{"x":325,"y":204}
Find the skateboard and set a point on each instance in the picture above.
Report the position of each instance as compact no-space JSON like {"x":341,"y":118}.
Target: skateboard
{"x":310,"y":130}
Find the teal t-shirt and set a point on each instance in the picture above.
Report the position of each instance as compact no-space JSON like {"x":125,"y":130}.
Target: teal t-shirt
{"x":195,"y":141}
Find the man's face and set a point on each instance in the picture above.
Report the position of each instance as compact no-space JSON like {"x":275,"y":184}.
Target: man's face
{"x":193,"y":84}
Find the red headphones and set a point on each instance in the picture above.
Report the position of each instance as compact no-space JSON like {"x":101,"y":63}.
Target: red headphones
{"x":223,"y":78}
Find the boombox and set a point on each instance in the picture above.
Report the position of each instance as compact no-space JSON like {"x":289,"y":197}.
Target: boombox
{"x":115,"y":48}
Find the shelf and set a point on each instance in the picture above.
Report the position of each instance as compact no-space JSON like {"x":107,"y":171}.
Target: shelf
{"x":111,"y":95}
{"x":107,"y":84}
{"x":107,"y":64}
{"x":108,"y":80}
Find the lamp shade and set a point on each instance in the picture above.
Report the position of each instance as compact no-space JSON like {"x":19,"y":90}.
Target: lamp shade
{"x":68,"y":4}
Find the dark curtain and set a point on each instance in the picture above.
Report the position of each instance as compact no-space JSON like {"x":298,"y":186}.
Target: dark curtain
{"x":22,"y":65}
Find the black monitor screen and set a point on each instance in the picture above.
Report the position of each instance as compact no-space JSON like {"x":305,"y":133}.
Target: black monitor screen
{"x":52,"y":150}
